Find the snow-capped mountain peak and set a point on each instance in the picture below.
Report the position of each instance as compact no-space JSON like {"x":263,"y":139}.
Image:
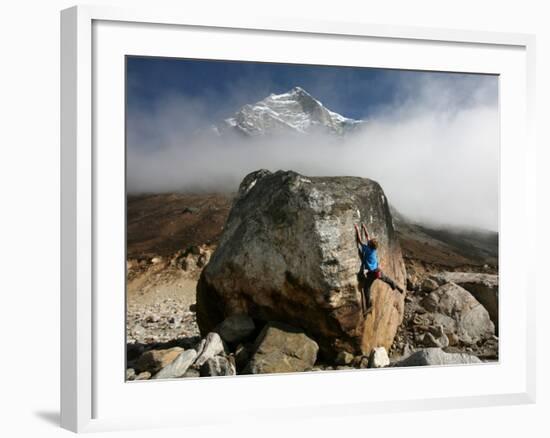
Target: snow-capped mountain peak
{"x":295,"y":111}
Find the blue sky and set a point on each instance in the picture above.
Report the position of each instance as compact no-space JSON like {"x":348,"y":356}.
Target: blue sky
{"x":224,"y":86}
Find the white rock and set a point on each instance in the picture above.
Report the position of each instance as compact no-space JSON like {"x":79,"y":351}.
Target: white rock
{"x":379,"y":358}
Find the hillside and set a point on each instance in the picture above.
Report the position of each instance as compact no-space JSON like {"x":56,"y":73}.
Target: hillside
{"x":162,"y":224}
{"x":447,"y":248}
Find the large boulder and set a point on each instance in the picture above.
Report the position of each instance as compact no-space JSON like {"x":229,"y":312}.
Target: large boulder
{"x":288,"y":253}
{"x":454,"y":310}
{"x":436,"y":356}
{"x":484,"y":288}
{"x":282,"y":349}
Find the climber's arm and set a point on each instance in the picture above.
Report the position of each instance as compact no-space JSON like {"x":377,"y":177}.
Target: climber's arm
{"x":358,"y":239}
{"x":365,"y":231}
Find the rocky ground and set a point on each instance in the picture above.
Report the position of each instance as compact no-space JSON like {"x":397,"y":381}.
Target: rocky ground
{"x":459,"y":325}
{"x":161,"y":296}
{"x":170,"y":240}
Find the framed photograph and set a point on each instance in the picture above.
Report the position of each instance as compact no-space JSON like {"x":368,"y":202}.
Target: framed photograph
{"x":264,"y":207}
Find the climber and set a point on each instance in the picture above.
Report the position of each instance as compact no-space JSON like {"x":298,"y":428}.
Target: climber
{"x":370,"y":269}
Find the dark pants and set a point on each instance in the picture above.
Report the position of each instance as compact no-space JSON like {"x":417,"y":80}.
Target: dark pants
{"x":365,"y":283}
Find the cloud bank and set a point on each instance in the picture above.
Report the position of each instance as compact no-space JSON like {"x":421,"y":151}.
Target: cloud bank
{"x":434,"y":149}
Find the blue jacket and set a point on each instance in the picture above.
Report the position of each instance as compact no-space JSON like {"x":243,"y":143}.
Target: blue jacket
{"x":369,"y":258}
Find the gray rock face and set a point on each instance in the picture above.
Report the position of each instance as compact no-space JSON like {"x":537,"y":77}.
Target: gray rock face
{"x":236,"y":328}
{"x":282,"y":349}
{"x":178,"y":367}
{"x":457,"y":311}
{"x":288,"y":254}
{"x":484,"y":288}
{"x":436,"y":356}
{"x":218,"y":366}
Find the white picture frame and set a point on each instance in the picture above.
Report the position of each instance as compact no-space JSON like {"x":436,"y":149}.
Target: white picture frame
{"x":93,"y":39}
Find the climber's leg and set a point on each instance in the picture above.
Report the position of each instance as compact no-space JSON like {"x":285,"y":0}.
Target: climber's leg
{"x":361,"y":284}
{"x":367,"y":283}
{"x":390,"y":282}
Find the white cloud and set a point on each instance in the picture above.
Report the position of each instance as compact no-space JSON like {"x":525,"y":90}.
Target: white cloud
{"x":434,"y":152}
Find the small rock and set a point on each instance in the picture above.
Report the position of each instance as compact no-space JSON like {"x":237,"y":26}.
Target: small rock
{"x":344,"y":358}
{"x":152,"y":318}
{"x":282,"y":349}
{"x":193,"y":249}
{"x":379,"y":358}
{"x":174,"y":320}
{"x":429,"y":285}
{"x":189,"y":210}
{"x":154,"y":360}
{"x":200,"y":347}
{"x":130,"y":374}
{"x":191,"y":373}
{"x":429,"y":340}
{"x":138,"y":331}
{"x":217,"y":366}
{"x":178,"y":367}
{"x":361,"y":362}
{"x":202,"y":260}
{"x":437,"y":331}
{"x":242,"y":356}
{"x":436,"y":356}
{"x":407,"y":350}
{"x":453,"y":338}
{"x":430,"y":302}
{"x":145,"y":375}
{"x":236,"y":328}
{"x":213,"y":346}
